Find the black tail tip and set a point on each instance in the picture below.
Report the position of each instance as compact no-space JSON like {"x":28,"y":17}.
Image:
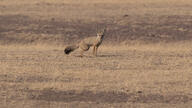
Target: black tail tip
{"x":67,"y":51}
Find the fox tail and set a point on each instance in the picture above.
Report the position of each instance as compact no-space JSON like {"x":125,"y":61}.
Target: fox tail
{"x":70,"y":49}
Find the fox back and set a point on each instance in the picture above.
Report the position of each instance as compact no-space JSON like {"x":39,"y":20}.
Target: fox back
{"x":94,"y":41}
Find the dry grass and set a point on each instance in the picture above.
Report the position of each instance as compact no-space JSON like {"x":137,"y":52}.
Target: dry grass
{"x":145,"y":60}
{"x":121,"y":76}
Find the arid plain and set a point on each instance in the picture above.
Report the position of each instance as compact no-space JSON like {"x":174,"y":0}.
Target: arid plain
{"x":145,"y":60}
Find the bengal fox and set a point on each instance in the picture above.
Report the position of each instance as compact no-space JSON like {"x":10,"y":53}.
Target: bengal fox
{"x":86,"y":43}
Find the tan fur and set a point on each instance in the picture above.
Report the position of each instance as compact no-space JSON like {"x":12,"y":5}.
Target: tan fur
{"x":86,"y":43}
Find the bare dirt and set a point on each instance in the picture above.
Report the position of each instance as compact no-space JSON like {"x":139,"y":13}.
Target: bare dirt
{"x":165,"y":28}
{"x":44,"y":22}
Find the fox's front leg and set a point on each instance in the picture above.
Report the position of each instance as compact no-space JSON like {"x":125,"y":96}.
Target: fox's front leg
{"x":94,"y":48}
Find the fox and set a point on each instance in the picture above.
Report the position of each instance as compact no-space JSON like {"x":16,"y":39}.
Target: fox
{"x":86,"y":43}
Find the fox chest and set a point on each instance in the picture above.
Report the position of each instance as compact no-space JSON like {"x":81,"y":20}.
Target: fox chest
{"x":98,"y":43}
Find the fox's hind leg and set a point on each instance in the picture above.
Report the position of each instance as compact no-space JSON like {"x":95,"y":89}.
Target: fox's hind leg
{"x":81,"y":53}
{"x":83,"y":48}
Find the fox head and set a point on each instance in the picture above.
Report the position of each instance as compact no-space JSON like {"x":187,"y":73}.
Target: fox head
{"x":102,"y":33}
